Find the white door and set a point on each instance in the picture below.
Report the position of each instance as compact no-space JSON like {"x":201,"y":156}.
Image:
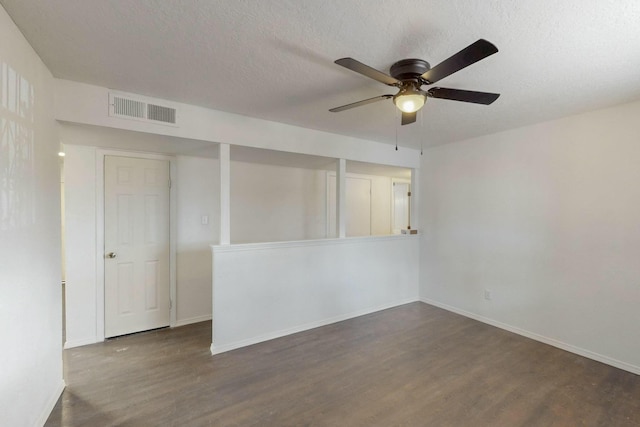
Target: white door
{"x":136,"y":236}
{"x":400,"y":206}
{"x":358,"y":195}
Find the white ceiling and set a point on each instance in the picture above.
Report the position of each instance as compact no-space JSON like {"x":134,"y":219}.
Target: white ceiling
{"x":274,"y":59}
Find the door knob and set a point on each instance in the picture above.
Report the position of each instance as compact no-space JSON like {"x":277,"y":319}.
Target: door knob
{"x":112,"y":255}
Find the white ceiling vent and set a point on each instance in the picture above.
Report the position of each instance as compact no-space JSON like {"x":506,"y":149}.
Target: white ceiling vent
{"x":127,"y":107}
{"x":161,"y":114}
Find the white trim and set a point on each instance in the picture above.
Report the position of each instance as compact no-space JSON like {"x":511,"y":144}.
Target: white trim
{"x":541,"y":338}
{"x":190,"y":320}
{"x":79,"y":343}
{"x":317,"y":242}
{"x":100,"y":155}
{"x":414,"y":200}
{"x":327,"y":221}
{"x":277,"y":334}
{"x":51,"y":403}
{"x":173,"y":239}
{"x":99,"y":245}
{"x":341,"y":199}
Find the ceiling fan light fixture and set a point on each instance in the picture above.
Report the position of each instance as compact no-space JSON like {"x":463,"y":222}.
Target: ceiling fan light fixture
{"x":410,"y":99}
{"x":409,"y":75}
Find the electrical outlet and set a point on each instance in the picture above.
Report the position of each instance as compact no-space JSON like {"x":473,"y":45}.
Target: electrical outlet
{"x":205,"y":219}
{"x":488,"y":295}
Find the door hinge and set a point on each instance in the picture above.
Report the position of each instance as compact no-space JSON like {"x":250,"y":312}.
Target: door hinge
{"x":170,"y":304}
{"x":409,"y":194}
{"x":169,"y":182}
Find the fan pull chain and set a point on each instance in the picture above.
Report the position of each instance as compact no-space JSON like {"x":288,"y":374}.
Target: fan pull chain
{"x":396,"y":125}
{"x":421,"y":130}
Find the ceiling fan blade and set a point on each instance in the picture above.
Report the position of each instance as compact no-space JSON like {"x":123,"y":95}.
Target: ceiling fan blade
{"x":365,"y":70}
{"x":359,"y":103}
{"x":485,"y":98}
{"x":408,"y":118}
{"x":467,"y":56}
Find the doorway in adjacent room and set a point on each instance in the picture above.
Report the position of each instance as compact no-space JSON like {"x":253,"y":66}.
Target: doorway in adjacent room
{"x":400,"y":205}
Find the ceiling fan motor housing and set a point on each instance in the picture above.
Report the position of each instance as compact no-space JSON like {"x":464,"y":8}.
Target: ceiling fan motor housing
{"x":409,"y":69}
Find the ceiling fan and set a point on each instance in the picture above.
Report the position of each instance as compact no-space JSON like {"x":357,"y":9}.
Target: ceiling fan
{"x":409,"y":75}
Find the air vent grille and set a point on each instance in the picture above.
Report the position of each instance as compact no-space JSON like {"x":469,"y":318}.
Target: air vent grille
{"x":161,"y":114}
{"x":129,"y":108}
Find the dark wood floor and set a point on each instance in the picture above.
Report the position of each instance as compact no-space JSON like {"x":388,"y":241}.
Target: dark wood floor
{"x":414,"y":365}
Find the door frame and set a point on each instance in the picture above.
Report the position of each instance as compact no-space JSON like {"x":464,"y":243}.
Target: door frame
{"x":100,"y":157}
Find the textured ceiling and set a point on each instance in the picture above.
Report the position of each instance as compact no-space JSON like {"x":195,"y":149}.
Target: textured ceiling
{"x":274,"y":59}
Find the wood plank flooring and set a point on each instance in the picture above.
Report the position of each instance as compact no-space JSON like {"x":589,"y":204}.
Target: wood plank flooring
{"x":414,"y":365}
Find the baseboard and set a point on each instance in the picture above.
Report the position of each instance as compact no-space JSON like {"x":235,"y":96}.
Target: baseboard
{"x":281,"y":333}
{"x":191,"y":320}
{"x":87,"y":341}
{"x":78,"y":343}
{"x":541,"y":338}
{"x":51,"y":403}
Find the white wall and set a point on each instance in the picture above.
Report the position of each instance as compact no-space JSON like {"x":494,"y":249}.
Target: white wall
{"x":380,"y":205}
{"x":198,"y":180}
{"x":88,"y":104}
{"x":275,"y":203}
{"x":80,"y":244}
{"x":83,"y":109}
{"x":380,"y":213}
{"x":546,"y":217}
{"x":269,"y":203}
{"x":293,"y":286}
{"x":382,"y":178}
{"x":30,"y":276}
